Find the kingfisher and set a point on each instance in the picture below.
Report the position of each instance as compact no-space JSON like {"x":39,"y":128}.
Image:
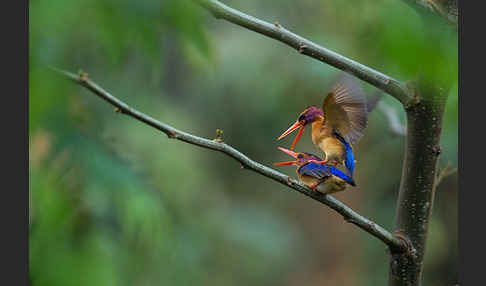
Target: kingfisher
{"x":319,"y":177}
{"x":338,"y":125}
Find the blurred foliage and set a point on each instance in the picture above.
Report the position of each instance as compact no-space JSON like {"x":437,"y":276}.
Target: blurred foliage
{"x":113,"y":202}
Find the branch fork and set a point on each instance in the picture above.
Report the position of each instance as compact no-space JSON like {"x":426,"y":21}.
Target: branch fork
{"x":423,"y":115}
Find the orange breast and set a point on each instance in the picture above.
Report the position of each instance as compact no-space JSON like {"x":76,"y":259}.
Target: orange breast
{"x":322,"y":138}
{"x":319,"y":132}
{"x":332,"y":185}
{"x":333,"y":148}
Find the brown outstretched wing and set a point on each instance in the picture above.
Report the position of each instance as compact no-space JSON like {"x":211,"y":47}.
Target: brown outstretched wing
{"x":345,"y":109}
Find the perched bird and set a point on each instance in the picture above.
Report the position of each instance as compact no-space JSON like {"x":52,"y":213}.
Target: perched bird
{"x":339,"y":124}
{"x":322,"y":178}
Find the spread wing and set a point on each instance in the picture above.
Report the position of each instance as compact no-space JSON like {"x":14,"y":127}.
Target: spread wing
{"x":315,"y":170}
{"x":345,"y":109}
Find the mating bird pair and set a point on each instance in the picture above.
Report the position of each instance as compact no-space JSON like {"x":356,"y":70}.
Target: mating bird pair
{"x":336,"y":126}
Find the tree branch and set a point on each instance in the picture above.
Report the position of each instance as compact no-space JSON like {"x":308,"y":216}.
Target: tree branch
{"x":417,"y":187}
{"x":424,"y":123}
{"x":275,"y":31}
{"x":395,"y":243}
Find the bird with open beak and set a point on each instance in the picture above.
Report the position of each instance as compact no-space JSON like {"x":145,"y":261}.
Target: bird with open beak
{"x":338,"y":125}
{"x":320,"y":177}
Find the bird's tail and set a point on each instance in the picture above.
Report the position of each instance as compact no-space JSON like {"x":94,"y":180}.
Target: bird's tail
{"x":338,"y":173}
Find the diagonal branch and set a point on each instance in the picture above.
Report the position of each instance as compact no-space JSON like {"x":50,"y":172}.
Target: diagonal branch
{"x":388,"y":84}
{"x":395,"y":243}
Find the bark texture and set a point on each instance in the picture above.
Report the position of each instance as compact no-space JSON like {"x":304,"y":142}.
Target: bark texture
{"x":416,"y":195}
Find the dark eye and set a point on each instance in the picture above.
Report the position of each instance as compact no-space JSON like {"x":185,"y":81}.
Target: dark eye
{"x":300,"y":156}
{"x":301,"y":118}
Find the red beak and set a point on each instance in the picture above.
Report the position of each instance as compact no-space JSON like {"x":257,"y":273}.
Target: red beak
{"x":293,"y":154}
{"x":285,"y":163}
{"x":296,"y":125}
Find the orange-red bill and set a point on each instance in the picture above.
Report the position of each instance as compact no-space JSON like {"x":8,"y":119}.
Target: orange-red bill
{"x":284,"y":163}
{"x":293,"y":154}
{"x":297,"y":137}
{"x":291,"y":128}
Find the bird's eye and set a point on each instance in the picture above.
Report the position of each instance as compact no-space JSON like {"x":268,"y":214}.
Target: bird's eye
{"x":300,"y":156}
{"x":301,"y":118}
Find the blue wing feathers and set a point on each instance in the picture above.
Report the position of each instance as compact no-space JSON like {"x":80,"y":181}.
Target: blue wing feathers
{"x":349,"y":161}
{"x":336,"y":172}
{"x":315,"y":170}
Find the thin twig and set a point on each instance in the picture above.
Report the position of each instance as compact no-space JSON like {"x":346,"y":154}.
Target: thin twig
{"x":395,"y":243}
{"x":276,"y":31}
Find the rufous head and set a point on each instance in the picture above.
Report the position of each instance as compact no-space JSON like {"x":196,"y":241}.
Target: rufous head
{"x":308,"y":116}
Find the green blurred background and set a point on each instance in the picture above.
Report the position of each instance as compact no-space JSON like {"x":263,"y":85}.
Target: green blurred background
{"x":114,"y":202}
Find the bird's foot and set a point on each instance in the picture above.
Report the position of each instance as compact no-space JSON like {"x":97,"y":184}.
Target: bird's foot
{"x":313,"y":187}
